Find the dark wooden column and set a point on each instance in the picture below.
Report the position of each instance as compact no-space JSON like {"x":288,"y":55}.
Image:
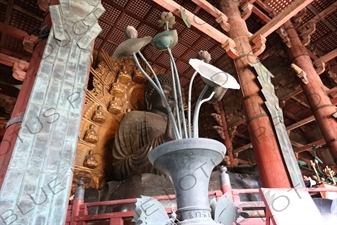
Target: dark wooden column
{"x":265,"y":144}
{"x":314,"y":90}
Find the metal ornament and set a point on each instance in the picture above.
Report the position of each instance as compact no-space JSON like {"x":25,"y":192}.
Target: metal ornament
{"x":188,"y":163}
{"x":151,"y":212}
{"x":184,"y":17}
{"x":272,"y":104}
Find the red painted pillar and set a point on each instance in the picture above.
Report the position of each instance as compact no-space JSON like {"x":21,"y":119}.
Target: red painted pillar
{"x":267,"y":152}
{"x":319,"y":102}
{"x":11,"y":133}
{"x":228,"y":141}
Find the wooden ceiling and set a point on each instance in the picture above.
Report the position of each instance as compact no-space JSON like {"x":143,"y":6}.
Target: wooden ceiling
{"x":21,"y":24}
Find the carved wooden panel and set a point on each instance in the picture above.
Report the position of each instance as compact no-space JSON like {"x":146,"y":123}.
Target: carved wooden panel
{"x":118,"y":87}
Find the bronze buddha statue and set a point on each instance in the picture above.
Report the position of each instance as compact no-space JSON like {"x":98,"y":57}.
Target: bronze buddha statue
{"x":141,"y":131}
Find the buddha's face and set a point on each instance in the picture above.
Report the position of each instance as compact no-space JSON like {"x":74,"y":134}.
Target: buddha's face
{"x":157,"y":103}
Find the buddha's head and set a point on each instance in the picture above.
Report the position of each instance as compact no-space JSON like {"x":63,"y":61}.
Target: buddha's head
{"x":153,"y":100}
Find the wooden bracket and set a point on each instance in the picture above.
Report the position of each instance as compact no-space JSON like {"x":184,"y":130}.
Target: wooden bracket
{"x":247,"y":9}
{"x":259,"y":45}
{"x":306,"y":31}
{"x":29,"y":43}
{"x":300,"y":73}
{"x":222,"y":20}
{"x":230,"y":48}
{"x":333,"y":76}
{"x":319,"y":67}
{"x":298,"y":18}
{"x":284,"y":36}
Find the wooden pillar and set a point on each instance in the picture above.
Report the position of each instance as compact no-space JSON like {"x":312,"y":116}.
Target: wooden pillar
{"x":228,"y":141}
{"x":37,"y":183}
{"x":14,"y":125}
{"x":314,"y":90}
{"x":267,"y":152}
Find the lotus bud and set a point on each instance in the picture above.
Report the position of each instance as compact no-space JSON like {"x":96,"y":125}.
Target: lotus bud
{"x":204,"y":56}
{"x":131,"y":32}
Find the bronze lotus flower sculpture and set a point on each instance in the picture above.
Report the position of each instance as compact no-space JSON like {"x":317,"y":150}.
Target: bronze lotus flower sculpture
{"x":215,"y":79}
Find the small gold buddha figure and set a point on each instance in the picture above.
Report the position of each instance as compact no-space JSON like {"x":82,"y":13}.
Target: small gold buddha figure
{"x":90,"y":160}
{"x":138,"y":77}
{"x":91,"y":135}
{"x":98,"y":116}
{"x":124,"y":76}
{"x":118,"y":90}
{"x":115,"y":106}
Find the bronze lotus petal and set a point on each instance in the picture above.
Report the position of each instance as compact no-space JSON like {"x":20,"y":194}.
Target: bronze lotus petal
{"x":130,"y":46}
{"x":165,"y":39}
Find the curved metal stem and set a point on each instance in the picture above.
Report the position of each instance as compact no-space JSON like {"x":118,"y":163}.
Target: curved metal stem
{"x":152,"y":71}
{"x":180,"y":99}
{"x":197,"y":109}
{"x":176,"y":105}
{"x":173,"y":123}
{"x":189,"y":102}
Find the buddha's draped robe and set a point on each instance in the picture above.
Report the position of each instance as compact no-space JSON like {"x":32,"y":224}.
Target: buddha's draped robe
{"x":138,"y":133}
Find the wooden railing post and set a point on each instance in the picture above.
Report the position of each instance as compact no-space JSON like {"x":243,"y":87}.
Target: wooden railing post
{"x":78,"y":201}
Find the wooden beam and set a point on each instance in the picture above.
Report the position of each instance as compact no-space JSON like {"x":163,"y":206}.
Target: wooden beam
{"x":291,"y":127}
{"x":309,"y":146}
{"x":296,"y":144}
{"x":17,"y":33}
{"x":195,"y":21}
{"x":242,"y":136}
{"x":300,"y":101}
{"x":280,"y":19}
{"x":242,"y":148}
{"x":300,"y":123}
{"x":10,"y":61}
{"x":327,"y":57}
{"x":261,"y":15}
{"x":266,"y":19}
{"x":25,"y":56}
{"x":321,"y":15}
{"x":216,"y":13}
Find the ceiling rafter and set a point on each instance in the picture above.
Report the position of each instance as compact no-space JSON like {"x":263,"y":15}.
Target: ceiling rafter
{"x":280,"y":19}
{"x":10,"y":61}
{"x":300,"y":101}
{"x":9,"y":11}
{"x":14,"y":32}
{"x":310,"y":146}
{"x":327,"y":57}
{"x":22,"y":10}
{"x":220,"y":17}
{"x":288,"y":128}
{"x":321,"y":16}
{"x":195,"y":21}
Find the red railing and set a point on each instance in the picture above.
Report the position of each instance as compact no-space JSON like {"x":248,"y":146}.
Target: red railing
{"x":77,"y":213}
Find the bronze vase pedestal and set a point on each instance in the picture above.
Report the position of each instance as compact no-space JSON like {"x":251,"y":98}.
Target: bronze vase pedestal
{"x":188,"y":163}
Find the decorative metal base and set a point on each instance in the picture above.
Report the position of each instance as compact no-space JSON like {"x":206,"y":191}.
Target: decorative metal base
{"x":188,"y":163}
